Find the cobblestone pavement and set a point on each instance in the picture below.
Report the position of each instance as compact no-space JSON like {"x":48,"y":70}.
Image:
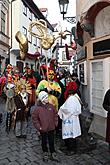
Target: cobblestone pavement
{"x":27,"y":151}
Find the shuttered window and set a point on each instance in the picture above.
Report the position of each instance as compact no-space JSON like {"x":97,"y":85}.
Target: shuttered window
{"x":3,"y":18}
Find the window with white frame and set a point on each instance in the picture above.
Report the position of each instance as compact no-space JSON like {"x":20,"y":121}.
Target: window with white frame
{"x":29,"y":37}
{"x":3,"y":19}
{"x":29,"y":46}
{"x":34,"y":17}
{"x":99,"y":84}
{"x":30,"y":15}
{"x":83,"y":73}
{"x":63,"y":56}
{"x":24,"y":10}
{"x":24,"y":31}
{"x":35,"y":41}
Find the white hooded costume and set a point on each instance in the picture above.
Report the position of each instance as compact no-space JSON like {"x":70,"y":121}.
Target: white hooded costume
{"x":69,"y":113}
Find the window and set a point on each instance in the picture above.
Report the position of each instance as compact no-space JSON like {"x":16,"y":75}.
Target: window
{"x":3,"y":17}
{"x":30,"y":38}
{"x":32,"y":65}
{"x":30,"y":15}
{"x":64,"y":56}
{"x":99,"y":83}
{"x":35,"y":41}
{"x":83,"y":73}
{"x":24,"y":10}
{"x":24,"y":31}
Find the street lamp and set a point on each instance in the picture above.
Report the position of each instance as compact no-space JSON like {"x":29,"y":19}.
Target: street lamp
{"x":63,"y":4}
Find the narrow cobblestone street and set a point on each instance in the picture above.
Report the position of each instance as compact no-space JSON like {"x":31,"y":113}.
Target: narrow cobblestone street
{"x":27,"y":151}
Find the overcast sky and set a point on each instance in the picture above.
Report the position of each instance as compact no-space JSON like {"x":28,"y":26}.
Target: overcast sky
{"x":54,"y":15}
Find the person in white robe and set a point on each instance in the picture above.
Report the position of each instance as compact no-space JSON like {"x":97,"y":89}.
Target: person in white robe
{"x":69,"y":113}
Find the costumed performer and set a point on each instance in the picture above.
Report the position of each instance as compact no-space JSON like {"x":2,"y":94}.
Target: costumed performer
{"x":51,"y":87}
{"x":21,"y":99}
{"x":32,"y":80}
{"x":9,"y":91}
{"x":2,"y":84}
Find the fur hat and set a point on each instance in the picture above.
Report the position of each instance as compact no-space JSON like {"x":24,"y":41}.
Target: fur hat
{"x":42,"y":95}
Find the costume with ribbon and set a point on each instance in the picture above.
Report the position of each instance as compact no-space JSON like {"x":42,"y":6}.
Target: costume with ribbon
{"x":52,"y":87}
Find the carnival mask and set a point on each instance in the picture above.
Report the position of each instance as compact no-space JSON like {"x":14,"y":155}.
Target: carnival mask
{"x":50,"y":74}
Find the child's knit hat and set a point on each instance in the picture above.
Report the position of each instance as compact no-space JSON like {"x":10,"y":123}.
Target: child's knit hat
{"x":42,"y":95}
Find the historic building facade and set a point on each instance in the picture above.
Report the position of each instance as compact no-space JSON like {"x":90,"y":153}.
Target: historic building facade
{"x":4,"y":33}
{"x":22,"y":13}
{"x":92,"y":35}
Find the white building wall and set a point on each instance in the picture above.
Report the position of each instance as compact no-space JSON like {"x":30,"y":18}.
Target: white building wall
{"x":4,"y":37}
{"x":102,"y":22}
{"x":19,"y":20}
{"x":16,"y":13}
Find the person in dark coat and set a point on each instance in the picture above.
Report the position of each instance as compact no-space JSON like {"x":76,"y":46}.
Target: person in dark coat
{"x":106,"y":106}
{"x":21,"y":102}
{"x":45,"y":119}
{"x":61,"y":99}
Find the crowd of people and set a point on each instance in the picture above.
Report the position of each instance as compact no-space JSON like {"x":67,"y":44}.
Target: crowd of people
{"x":56,"y":102}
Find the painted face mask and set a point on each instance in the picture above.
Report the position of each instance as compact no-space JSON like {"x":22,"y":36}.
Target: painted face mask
{"x":50,"y":74}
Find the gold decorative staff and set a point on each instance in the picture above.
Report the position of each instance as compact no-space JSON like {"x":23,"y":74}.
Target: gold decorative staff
{"x":23,"y":44}
{"x":47,"y":40}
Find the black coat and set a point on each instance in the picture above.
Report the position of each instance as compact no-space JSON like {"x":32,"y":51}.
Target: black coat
{"x":106,"y":106}
{"x":61,"y":99}
{"x":106,"y":102}
{"x":21,"y":113}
